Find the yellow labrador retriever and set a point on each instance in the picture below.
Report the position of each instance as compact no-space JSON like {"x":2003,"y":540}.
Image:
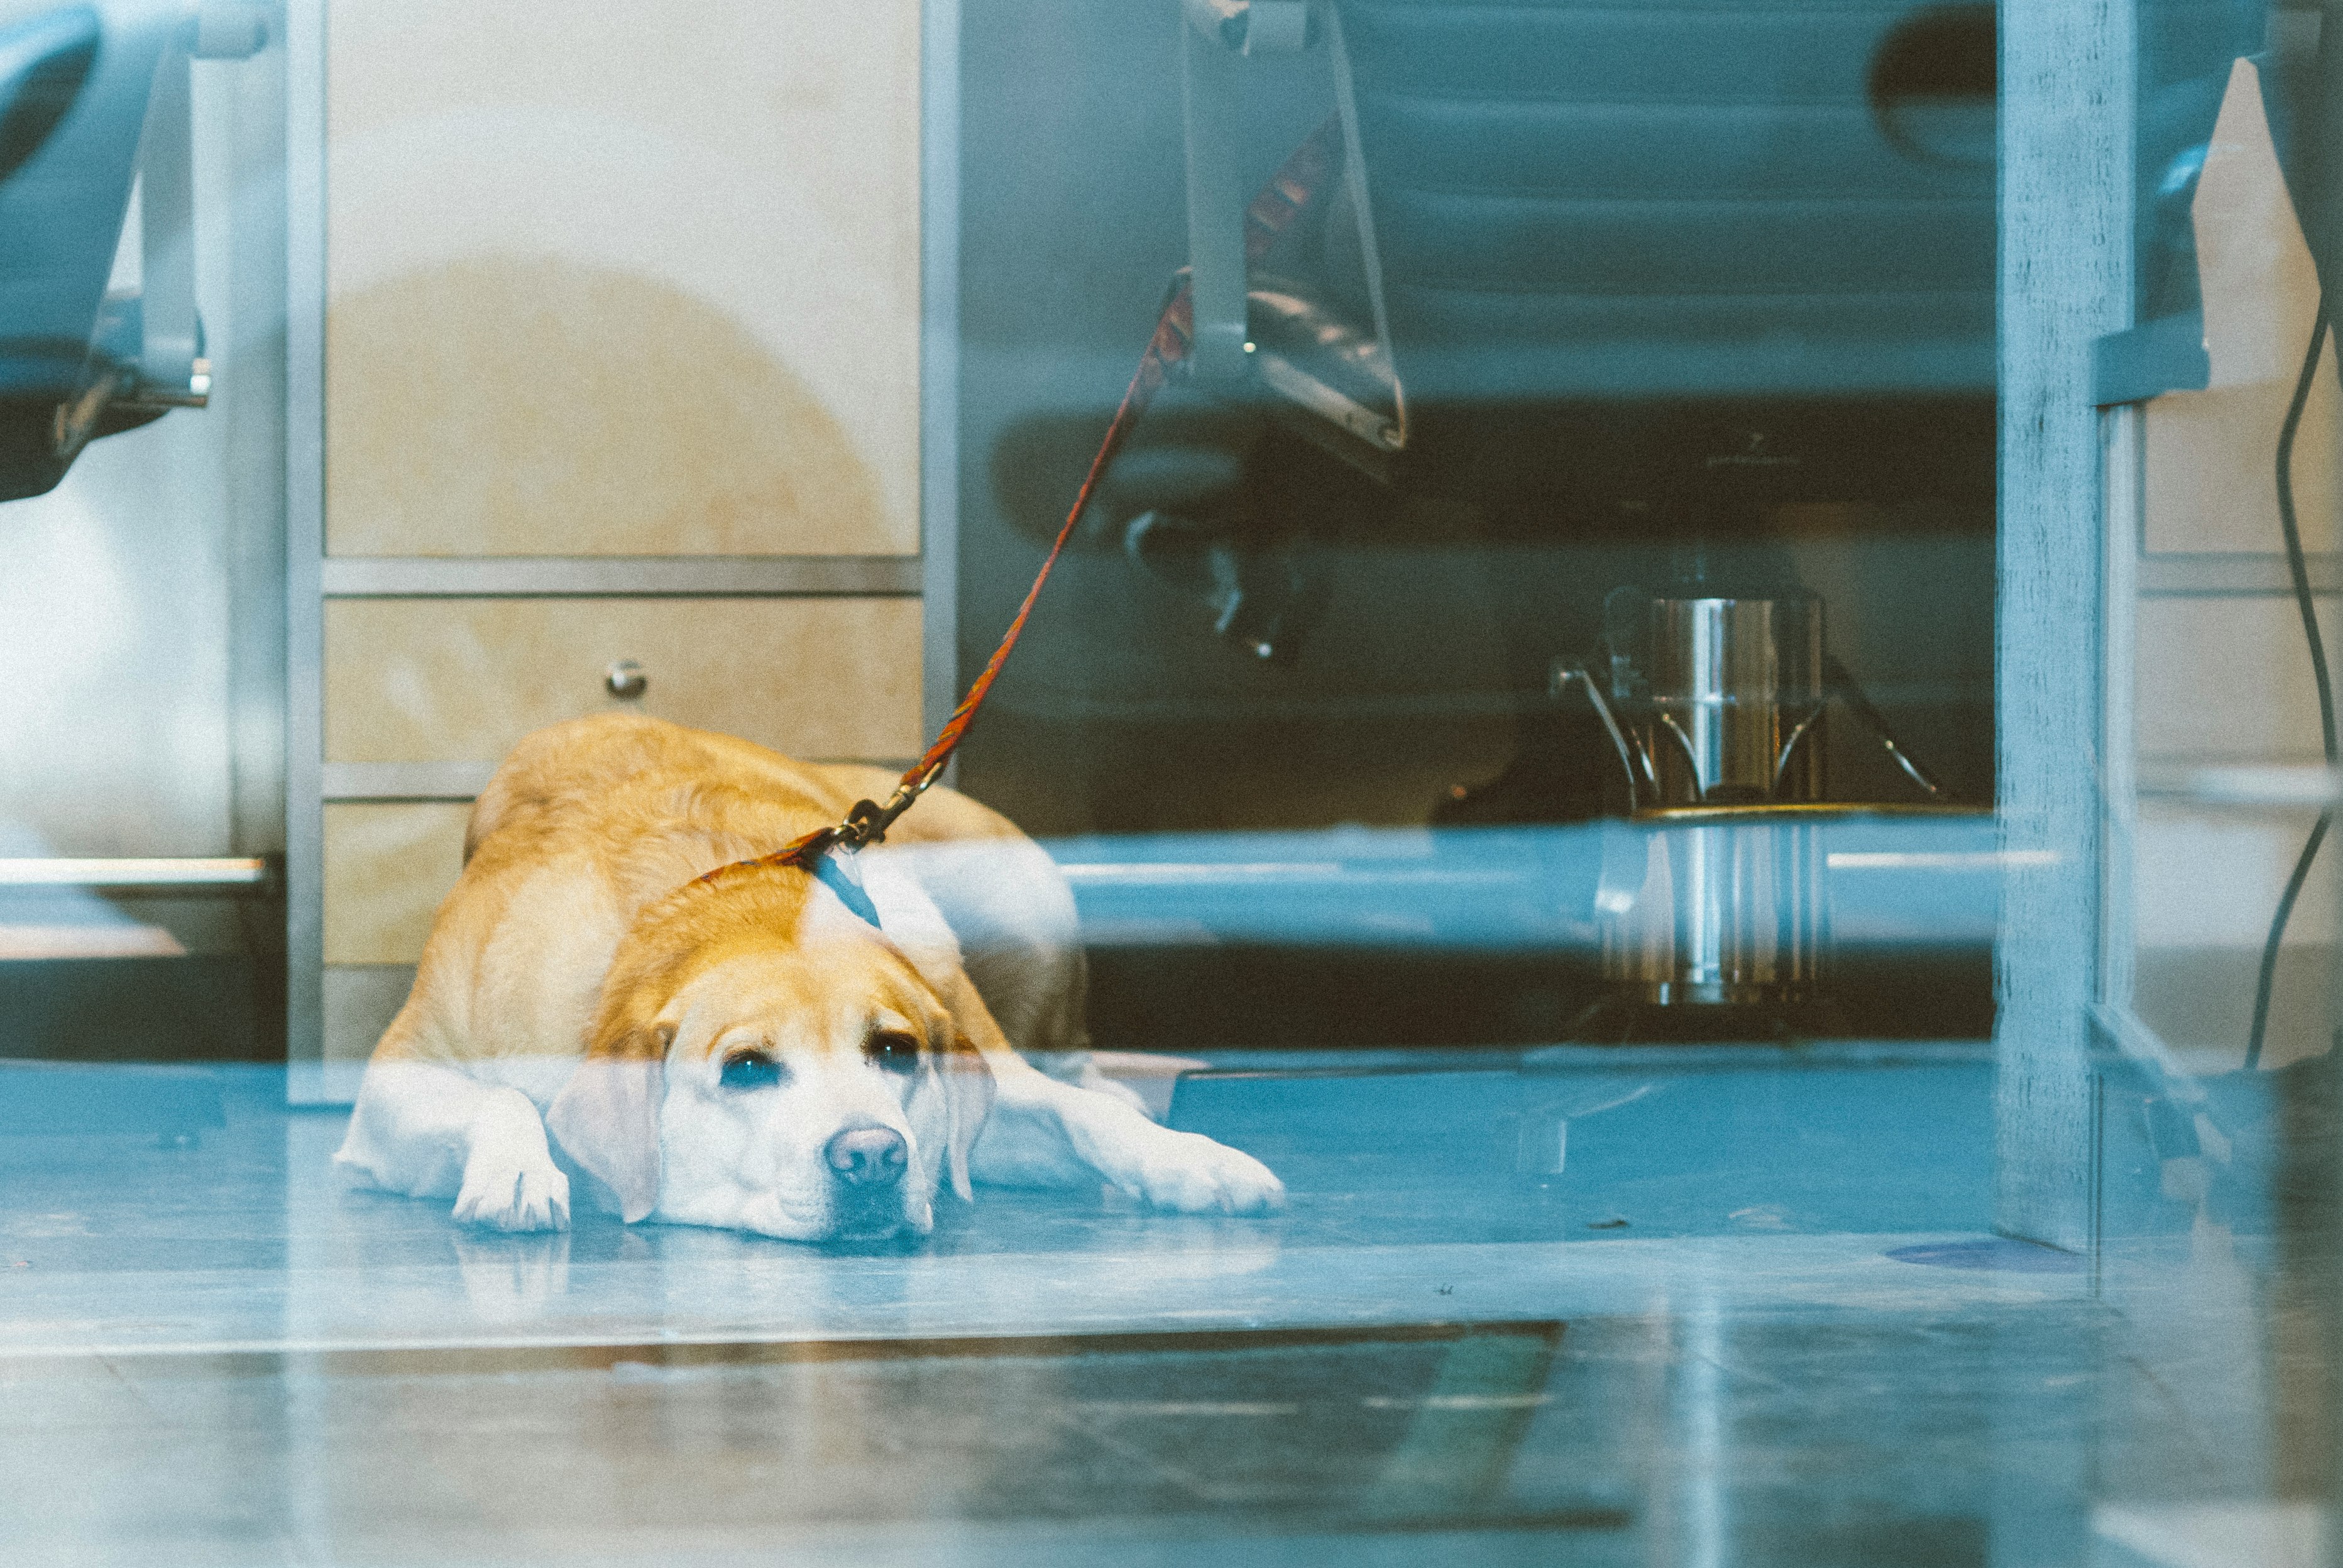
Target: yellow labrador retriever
{"x":743,"y":1050}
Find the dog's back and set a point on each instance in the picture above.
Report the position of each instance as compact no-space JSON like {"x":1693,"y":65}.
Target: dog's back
{"x":589,"y":822}
{"x":587,"y":768}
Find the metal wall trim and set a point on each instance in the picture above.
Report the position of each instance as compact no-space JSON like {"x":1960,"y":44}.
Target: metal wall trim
{"x":304,"y":544}
{"x":2238,"y":576}
{"x":939,"y":363}
{"x":361,"y":999}
{"x":2124,"y":503}
{"x":198,"y":873}
{"x":360,"y":781}
{"x":405,"y":781}
{"x":632,"y":577}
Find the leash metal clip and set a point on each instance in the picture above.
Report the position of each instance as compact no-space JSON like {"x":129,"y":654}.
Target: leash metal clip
{"x":863,"y":825}
{"x":867,"y":821}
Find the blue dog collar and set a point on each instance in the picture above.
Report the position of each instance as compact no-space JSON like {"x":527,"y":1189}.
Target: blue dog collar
{"x":835,"y":869}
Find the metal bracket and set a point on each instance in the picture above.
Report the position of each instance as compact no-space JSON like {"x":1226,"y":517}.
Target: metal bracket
{"x":1842,"y":682}
{"x":229,"y":30}
{"x":171,"y":370}
{"x":2149,"y":360}
{"x":1253,"y":26}
{"x":148,"y":354}
{"x":1219,"y":34}
{"x":1212,"y":102}
{"x":1642,"y":777}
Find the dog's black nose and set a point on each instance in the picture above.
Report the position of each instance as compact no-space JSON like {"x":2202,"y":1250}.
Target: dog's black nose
{"x":867,"y":1156}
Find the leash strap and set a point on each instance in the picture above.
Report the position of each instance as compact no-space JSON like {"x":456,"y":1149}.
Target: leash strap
{"x":1271,"y":213}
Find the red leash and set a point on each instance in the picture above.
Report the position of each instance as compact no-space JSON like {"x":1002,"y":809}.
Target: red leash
{"x":1271,"y":212}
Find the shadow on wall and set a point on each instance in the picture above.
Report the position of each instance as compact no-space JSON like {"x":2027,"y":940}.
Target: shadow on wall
{"x":636,"y":389}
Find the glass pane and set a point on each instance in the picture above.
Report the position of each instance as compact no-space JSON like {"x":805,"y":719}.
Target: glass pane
{"x":1630,"y":752}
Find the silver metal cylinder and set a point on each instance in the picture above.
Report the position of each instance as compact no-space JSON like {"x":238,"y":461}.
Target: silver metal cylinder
{"x":1737,"y":700}
{"x":1713,"y":906}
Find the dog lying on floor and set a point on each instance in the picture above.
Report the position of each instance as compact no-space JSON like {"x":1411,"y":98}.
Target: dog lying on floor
{"x":742,"y":1049}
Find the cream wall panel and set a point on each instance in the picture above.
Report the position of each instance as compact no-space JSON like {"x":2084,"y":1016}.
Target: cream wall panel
{"x":2212,"y":474}
{"x":429,"y":680}
{"x":2200,"y":1003}
{"x":2206,"y":883}
{"x":386,"y":869}
{"x":361,"y":1001}
{"x":2210,"y":456}
{"x":2211,"y":877}
{"x":611,"y":277}
{"x":2226,"y":677}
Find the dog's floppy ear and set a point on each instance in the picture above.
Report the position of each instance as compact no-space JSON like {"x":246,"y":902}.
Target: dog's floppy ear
{"x":607,"y":1117}
{"x":967,"y":1074}
{"x":968,"y":1101}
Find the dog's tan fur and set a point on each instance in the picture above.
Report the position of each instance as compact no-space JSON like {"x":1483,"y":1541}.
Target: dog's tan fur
{"x":582,"y":972}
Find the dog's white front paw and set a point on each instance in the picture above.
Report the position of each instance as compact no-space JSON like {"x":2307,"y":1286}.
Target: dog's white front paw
{"x":1187,"y":1173}
{"x":509,"y":1186}
{"x":505,"y":1194}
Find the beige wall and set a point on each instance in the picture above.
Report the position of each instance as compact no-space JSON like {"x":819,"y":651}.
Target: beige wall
{"x":610,"y":277}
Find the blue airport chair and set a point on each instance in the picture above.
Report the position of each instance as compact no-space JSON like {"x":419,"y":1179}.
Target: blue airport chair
{"x":93,"y":105}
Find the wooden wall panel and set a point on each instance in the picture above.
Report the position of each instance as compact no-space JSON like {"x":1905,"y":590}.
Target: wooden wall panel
{"x":433,"y":680}
{"x":387,"y":865}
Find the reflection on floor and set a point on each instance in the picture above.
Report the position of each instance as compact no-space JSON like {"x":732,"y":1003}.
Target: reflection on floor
{"x":1713,"y":1308}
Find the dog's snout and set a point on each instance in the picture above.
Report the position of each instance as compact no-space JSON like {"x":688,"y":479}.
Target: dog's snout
{"x":867,"y":1156}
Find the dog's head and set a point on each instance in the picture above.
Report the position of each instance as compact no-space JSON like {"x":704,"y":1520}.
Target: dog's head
{"x":799,"y":1079}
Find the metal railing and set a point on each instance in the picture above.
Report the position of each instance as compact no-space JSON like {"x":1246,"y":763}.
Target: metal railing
{"x":157,"y":874}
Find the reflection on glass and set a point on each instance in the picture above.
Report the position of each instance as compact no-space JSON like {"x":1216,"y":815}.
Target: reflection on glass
{"x":1652,"y":886}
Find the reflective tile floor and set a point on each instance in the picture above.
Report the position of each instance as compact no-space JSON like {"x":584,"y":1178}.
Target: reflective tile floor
{"x":1701,"y":1308}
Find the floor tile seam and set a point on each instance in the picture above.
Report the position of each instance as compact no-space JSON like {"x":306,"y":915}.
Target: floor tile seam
{"x":1116,"y":1328}
{"x":1658,"y":1260}
{"x":649,"y":1337}
{"x":1865,"y":1244}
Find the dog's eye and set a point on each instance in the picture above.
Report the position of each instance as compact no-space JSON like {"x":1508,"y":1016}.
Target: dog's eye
{"x":750,"y":1069}
{"x":895,"y":1052}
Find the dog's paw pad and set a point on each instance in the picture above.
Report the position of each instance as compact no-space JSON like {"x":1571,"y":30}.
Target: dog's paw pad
{"x":503,"y":1194}
{"x":1198,"y":1176}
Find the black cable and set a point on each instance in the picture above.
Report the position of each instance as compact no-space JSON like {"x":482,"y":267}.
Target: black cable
{"x":2277,"y":934}
{"x":2300,"y":570}
{"x":2295,"y":564}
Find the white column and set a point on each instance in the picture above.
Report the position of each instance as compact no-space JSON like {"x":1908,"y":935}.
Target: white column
{"x":2064,"y":278}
